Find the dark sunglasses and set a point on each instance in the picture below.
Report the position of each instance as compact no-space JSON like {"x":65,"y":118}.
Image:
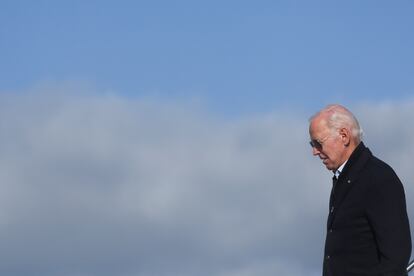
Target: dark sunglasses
{"x":317,"y":143}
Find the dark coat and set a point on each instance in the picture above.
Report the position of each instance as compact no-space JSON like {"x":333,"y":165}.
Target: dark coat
{"x":368,"y":230}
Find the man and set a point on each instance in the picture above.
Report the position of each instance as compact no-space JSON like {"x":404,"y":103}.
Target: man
{"x":368,"y":230}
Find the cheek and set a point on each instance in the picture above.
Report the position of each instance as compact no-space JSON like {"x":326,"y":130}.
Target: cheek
{"x":329,"y":153}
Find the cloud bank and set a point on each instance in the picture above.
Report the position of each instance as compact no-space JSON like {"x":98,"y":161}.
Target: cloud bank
{"x":98,"y":184}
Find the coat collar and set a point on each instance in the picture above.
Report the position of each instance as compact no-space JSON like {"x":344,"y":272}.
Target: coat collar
{"x":349,"y":175}
{"x":356,"y":162}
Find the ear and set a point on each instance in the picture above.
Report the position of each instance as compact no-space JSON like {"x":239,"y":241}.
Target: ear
{"x":345,"y":136}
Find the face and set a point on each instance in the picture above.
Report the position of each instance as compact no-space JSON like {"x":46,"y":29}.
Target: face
{"x":326,"y":144}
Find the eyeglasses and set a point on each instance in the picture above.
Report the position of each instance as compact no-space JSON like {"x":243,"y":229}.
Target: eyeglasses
{"x":317,"y":143}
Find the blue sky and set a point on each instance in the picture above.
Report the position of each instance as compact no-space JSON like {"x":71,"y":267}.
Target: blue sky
{"x":239,"y":57}
{"x":117,"y":154}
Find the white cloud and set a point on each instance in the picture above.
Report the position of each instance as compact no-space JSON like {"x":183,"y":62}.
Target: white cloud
{"x":104,"y":185}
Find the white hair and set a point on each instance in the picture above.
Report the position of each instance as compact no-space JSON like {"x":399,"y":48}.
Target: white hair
{"x":337,"y":116}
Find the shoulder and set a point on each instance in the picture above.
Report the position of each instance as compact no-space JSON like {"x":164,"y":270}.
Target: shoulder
{"x":376,"y":164}
{"x":379,"y":168}
{"x":382,"y":177}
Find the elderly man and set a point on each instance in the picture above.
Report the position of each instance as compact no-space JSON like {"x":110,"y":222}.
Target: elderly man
{"x":368,"y":230}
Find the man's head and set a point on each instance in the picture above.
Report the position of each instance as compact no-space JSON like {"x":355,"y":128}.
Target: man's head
{"x":335,"y":133}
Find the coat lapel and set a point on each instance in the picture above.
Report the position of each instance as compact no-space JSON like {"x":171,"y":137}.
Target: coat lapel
{"x":348,"y":177}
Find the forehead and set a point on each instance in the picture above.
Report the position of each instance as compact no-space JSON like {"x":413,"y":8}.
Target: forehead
{"x":318,"y":126}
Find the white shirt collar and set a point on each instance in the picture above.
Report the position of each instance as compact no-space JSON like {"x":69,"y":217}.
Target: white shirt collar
{"x":340,"y":169}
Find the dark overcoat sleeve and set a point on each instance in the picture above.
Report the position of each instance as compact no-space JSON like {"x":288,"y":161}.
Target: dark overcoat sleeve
{"x":386,"y":212}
